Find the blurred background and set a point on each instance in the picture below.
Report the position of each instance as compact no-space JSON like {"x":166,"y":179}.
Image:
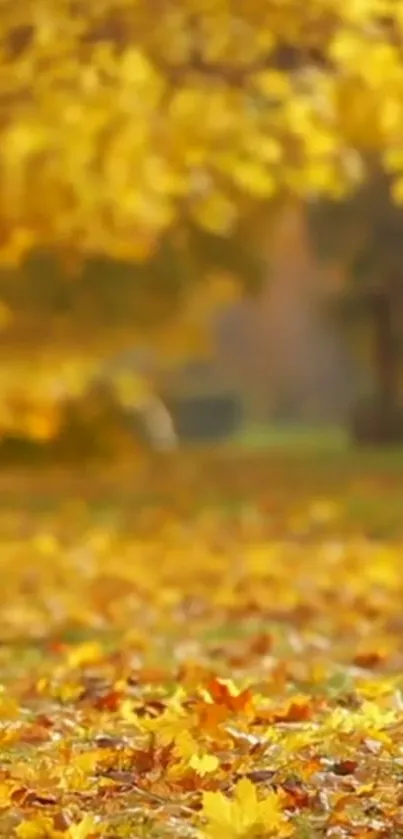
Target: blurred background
{"x":167,"y":279}
{"x":312,"y":347}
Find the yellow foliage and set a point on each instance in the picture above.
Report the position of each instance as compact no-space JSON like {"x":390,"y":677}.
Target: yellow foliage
{"x":38,"y":828}
{"x":245,"y":816}
{"x":204,"y":764}
{"x":85,"y":654}
{"x":42,"y":828}
{"x":142,"y":116}
{"x":139,"y":114}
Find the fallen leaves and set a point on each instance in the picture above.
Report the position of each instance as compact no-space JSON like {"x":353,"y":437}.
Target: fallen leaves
{"x":244,"y":815}
{"x":185,"y":670}
{"x":45,"y":828}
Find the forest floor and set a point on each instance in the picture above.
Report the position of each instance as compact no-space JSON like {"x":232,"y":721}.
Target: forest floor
{"x":209,"y":646}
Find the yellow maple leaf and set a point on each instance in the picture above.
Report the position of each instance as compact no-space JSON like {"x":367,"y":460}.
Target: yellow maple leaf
{"x":42,"y":828}
{"x":185,"y":745}
{"x":244,"y":815}
{"x":167,"y":726}
{"x":83,"y":654}
{"x":204,"y":764}
{"x":86,"y":827}
{"x":38,"y":828}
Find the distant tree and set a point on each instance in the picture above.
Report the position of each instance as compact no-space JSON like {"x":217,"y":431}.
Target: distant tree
{"x":366,"y":234}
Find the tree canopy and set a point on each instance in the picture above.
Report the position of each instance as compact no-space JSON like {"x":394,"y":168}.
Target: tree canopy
{"x":148,"y":144}
{"x":121,"y":118}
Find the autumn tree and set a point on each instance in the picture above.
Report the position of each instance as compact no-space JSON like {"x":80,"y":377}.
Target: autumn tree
{"x":127,"y":124}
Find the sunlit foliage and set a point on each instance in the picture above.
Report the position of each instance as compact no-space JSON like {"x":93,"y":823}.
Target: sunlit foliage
{"x":120,"y":117}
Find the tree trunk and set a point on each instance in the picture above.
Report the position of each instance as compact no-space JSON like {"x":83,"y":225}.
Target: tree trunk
{"x":385,"y":353}
{"x":379,"y":418}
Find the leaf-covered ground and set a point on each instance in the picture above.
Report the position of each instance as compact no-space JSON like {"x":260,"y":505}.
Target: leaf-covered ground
{"x":211,"y":649}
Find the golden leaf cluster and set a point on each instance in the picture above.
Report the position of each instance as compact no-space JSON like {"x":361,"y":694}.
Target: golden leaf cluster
{"x":118,"y":118}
